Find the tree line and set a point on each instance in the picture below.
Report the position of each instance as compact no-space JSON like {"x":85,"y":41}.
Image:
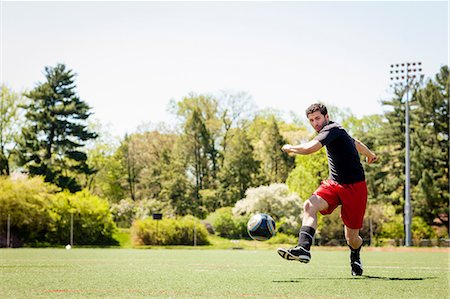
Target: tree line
{"x":219,"y":147}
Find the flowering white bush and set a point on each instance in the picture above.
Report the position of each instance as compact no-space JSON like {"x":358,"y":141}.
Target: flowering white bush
{"x":276,"y":200}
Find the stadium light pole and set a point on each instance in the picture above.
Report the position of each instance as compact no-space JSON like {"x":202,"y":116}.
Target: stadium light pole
{"x":404,"y":75}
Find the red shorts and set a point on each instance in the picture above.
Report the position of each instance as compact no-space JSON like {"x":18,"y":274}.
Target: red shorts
{"x":352,"y":197}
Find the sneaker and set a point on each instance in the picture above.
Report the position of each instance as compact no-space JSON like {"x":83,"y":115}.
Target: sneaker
{"x":355,"y":263}
{"x":296,"y":253}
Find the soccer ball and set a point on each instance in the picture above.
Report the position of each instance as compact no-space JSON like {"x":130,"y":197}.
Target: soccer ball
{"x":261,"y":227}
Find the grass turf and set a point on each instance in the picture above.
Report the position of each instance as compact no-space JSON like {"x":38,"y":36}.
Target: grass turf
{"x":188,"y":273}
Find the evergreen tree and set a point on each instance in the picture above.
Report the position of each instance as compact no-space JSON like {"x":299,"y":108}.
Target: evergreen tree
{"x":276,"y":163}
{"x":53,"y":140}
{"x":240,"y":169}
{"x":201,"y":128}
{"x":430,"y":149}
{"x":391,"y":151}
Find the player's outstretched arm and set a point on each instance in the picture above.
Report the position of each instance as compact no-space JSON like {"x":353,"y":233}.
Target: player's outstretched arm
{"x":302,"y":149}
{"x":363,"y":149}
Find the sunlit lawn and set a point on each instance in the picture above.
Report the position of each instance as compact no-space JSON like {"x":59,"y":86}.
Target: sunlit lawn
{"x":187,"y":273}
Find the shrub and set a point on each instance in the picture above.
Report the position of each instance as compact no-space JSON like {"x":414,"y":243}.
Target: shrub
{"x":41,"y":216}
{"x":169,"y":231}
{"x":281,"y":238}
{"x":227,"y":225}
{"x":27,"y":202}
{"x":92,"y":220}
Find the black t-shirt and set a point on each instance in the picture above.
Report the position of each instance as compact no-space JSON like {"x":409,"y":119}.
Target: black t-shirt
{"x":343,"y":158}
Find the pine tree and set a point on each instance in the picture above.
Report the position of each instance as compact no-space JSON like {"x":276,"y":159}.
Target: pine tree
{"x":240,"y":169}
{"x":430,"y":149}
{"x":53,"y":140}
{"x":276,"y":163}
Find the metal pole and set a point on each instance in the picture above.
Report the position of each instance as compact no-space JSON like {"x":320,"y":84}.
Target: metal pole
{"x":407,"y":174}
{"x":157,"y":232}
{"x":71,"y":229}
{"x":195,"y":234}
{"x":8,"y":231}
{"x":405,"y":74}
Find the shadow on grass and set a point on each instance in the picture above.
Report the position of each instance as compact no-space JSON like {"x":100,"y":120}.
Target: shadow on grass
{"x":297,"y":280}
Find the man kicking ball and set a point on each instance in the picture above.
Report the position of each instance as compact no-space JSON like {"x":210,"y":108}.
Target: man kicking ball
{"x":345,"y":186}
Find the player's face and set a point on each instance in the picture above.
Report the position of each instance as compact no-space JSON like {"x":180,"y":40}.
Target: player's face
{"x":318,"y":120}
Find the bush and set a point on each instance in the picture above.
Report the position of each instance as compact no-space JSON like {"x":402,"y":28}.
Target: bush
{"x":27,"y":202}
{"x":227,"y":225}
{"x":40,"y":216}
{"x":92,"y":220}
{"x":281,"y":238}
{"x":169,"y":232}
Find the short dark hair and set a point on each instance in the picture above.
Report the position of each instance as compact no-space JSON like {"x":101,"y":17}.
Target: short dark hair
{"x":317,"y":107}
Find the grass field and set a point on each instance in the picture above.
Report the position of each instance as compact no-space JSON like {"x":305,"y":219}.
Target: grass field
{"x":226,"y":273}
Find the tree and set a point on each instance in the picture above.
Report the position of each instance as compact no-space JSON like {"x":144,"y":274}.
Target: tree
{"x":201,"y":128}
{"x":430,"y":149}
{"x":391,"y":151}
{"x":276,"y":163}
{"x":127,"y":155}
{"x":309,"y":171}
{"x":10,"y":125}
{"x":107,"y":179}
{"x":240,"y":168}
{"x":53,"y":140}
{"x":234,"y":110}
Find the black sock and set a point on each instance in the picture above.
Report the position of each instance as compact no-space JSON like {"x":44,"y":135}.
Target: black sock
{"x":305,"y":237}
{"x":354,"y":253}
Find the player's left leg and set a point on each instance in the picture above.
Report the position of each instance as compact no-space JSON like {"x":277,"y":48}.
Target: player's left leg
{"x":354,"y":242}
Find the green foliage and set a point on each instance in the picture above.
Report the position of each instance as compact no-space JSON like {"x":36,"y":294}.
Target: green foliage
{"x":169,"y":232}
{"x":201,"y":127}
{"x":227,"y":225}
{"x":92,"y":220}
{"x":281,"y":238}
{"x":420,"y":229}
{"x":41,"y":214}
{"x":239,"y":170}
{"x":28,"y":202}
{"x":330,"y":229}
{"x":309,"y":171}
{"x":10,"y":125}
{"x":56,"y":130}
{"x":267,"y":141}
{"x":430,"y":149}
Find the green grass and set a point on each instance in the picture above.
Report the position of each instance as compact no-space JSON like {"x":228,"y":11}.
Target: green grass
{"x":188,"y":273}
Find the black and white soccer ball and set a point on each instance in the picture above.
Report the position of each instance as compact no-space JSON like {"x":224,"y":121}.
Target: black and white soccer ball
{"x":261,"y":227}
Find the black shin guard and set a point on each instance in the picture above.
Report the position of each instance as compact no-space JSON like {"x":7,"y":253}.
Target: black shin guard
{"x":305,"y":237}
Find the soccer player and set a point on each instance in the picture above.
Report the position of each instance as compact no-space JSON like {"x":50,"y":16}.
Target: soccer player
{"x":345,"y":186}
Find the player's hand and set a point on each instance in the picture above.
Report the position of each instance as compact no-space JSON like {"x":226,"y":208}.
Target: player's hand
{"x":286,"y":148}
{"x":371,"y":158}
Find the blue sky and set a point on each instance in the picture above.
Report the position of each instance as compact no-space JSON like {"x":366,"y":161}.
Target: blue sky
{"x":132,"y":58}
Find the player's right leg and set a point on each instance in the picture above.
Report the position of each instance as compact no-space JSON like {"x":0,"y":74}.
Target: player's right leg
{"x":301,"y":252}
{"x":354,"y":242}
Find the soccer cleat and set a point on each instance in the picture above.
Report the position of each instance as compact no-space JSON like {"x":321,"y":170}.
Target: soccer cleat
{"x":357,"y":269}
{"x":296,"y":253}
{"x":355,"y":262}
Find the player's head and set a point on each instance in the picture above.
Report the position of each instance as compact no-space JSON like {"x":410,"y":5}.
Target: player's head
{"x":317,"y":115}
